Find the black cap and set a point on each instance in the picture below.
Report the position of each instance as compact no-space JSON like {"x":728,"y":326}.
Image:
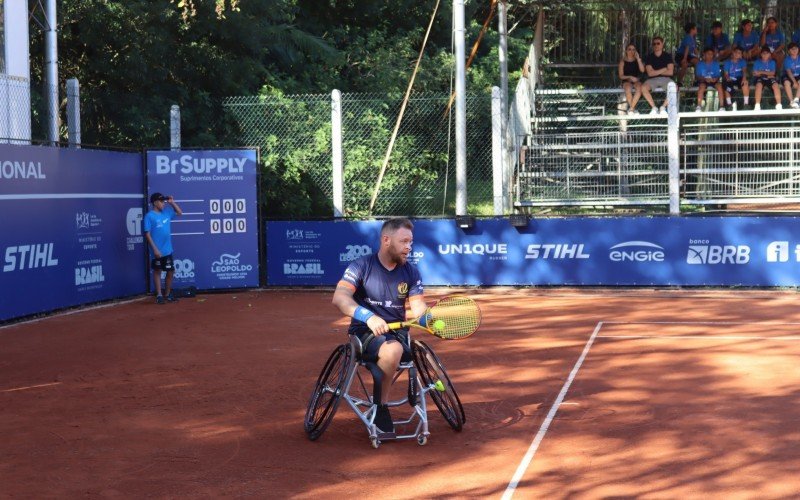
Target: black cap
{"x":156,"y":197}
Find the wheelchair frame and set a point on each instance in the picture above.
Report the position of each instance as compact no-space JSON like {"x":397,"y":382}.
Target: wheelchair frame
{"x":342,"y":372}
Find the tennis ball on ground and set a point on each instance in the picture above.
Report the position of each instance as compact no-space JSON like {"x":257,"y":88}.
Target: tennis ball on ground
{"x":439,"y":386}
{"x":439,"y":325}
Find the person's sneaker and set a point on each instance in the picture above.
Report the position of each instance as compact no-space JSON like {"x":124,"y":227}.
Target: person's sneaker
{"x":662,"y":110}
{"x":160,"y":300}
{"x":722,"y":110}
{"x":795,"y":104}
{"x":757,"y":107}
{"x":779,"y":106}
{"x":171,"y":297}
{"x":654,"y":111}
{"x":698,"y":109}
{"x":383,"y":420}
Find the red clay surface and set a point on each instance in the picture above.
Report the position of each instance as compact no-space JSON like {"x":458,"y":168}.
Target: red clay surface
{"x":207,"y":397}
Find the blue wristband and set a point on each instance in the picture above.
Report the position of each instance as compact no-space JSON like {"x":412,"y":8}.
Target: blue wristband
{"x":423,"y":320}
{"x":362,"y":314}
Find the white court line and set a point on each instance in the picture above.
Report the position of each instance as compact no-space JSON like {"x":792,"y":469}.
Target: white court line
{"x":30,"y":387}
{"x":69,"y":313}
{"x":526,"y":460}
{"x":703,"y":337}
{"x":777,"y":323}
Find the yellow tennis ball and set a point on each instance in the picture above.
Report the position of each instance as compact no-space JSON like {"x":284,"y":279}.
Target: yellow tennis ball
{"x":439,"y":325}
{"x":439,"y":386}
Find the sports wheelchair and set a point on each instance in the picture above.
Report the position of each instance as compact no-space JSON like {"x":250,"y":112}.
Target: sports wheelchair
{"x":345,"y":376}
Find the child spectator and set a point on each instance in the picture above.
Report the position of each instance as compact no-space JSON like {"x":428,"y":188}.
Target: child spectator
{"x":686,"y":55}
{"x":773,"y":38}
{"x":707,"y":73}
{"x":792,"y":75}
{"x":630,"y":73}
{"x":735,"y":77}
{"x":718,"y":41}
{"x":748,"y":40}
{"x":659,"y":68}
{"x":764,"y":74}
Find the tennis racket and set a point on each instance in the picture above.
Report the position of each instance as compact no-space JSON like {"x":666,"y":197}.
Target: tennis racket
{"x":454,"y":317}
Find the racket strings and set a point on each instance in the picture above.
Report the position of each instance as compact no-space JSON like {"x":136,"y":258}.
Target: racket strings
{"x":460,"y":315}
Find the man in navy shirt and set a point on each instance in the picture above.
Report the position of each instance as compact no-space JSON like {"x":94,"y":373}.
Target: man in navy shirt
{"x":158,"y":234}
{"x":374,"y":291}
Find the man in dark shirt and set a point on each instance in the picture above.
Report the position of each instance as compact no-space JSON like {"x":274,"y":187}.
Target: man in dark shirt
{"x":659,"y":67}
{"x":374,"y":291}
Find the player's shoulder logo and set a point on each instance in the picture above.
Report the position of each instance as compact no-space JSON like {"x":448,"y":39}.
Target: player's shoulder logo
{"x":402,"y":290}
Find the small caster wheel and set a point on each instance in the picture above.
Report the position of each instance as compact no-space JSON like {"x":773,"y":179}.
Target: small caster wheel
{"x":422,"y":439}
{"x":375,"y":442}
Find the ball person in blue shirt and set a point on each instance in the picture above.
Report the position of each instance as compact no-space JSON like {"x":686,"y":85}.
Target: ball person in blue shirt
{"x":792,"y":75}
{"x":749,"y":40}
{"x":158,"y":234}
{"x":686,"y":55}
{"x":734,"y":76}
{"x":707,"y":73}
{"x":764,"y":74}
{"x":374,"y":291}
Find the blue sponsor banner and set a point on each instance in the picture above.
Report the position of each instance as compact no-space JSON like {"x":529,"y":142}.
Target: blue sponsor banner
{"x":71,"y":233}
{"x":658,"y":251}
{"x":216,"y":239}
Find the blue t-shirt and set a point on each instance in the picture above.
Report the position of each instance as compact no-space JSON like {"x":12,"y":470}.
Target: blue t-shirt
{"x":792,"y":65}
{"x":774,"y":40}
{"x":158,"y":225}
{"x":735,"y":69}
{"x":688,"y":41}
{"x":796,"y":36}
{"x":381,"y":291}
{"x":760,"y":65}
{"x":747,"y":42}
{"x":707,"y":70}
{"x":720,"y":43}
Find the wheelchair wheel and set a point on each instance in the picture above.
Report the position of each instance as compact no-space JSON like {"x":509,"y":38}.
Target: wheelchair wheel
{"x":445,"y":397}
{"x":328,"y":391}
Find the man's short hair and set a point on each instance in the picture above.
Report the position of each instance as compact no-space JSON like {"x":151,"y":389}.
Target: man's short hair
{"x":658,"y":38}
{"x":708,"y":49}
{"x":737,"y":48}
{"x":716,"y":24}
{"x":689,"y":27}
{"x":392,"y":225}
{"x":792,"y":46}
{"x":765,"y":48}
{"x":745,"y":22}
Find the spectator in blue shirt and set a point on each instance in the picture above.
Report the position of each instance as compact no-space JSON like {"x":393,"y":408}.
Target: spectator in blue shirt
{"x":686,"y":55}
{"x":735,"y":77}
{"x":764,"y":74}
{"x":773,"y":38}
{"x":792,"y":75}
{"x":748,"y":40}
{"x":707,"y":73}
{"x":719,"y":41}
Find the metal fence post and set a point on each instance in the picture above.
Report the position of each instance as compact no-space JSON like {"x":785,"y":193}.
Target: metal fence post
{"x":673,"y":148}
{"x":175,"y":127}
{"x":73,"y":113}
{"x":497,"y":151}
{"x":336,"y":147}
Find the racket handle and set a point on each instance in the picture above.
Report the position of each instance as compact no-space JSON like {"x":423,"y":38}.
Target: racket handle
{"x":396,"y":325}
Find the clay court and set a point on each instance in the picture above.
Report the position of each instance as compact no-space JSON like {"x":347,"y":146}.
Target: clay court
{"x":580,"y":394}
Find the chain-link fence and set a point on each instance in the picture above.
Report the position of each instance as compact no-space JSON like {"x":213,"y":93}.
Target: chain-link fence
{"x":294,"y":134}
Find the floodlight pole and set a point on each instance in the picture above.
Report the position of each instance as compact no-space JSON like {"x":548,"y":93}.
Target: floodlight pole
{"x":502,"y":31}
{"x":51,"y":71}
{"x":461,"y":108}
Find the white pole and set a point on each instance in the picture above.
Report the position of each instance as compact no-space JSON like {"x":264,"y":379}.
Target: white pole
{"x":673,"y":149}
{"x":461,"y":108}
{"x":502,"y":31}
{"x":336,"y":145}
{"x":497,"y":153}
{"x":175,"y":127}
{"x":73,"y":113}
{"x":51,"y":71}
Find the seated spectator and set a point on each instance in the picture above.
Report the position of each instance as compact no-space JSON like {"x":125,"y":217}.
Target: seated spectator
{"x":773,"y":38}
{"x":686,"y":55}
{"x":764,"y":74}
{"x":707,"y":73}
{"x":630,"y":73}
{"x":719,"y":41}
{"x":748,"y":40}
{"x":659,"y":68}
{"x":792,"y":75}
{"x":735,"y":77}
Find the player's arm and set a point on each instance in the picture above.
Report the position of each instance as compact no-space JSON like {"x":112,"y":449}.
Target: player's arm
{"x":343,"y":299}
{"x":417,"y":305}
{"x":174,"y":205}
{"x":156,"y":252}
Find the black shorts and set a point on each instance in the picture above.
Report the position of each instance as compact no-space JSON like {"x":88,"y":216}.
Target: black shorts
{"x":697,"y":83}
{"x":373,"y":344}
{"x":786,"y":79}
{"x":765,"y":80}
{"x":691,"y":57}
{"x":165,"y":263}
{"x":731,"y":85}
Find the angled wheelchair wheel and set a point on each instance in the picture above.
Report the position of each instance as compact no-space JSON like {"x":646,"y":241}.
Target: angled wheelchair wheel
{"x":444,"y":395}
{"x":328,"y":391}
